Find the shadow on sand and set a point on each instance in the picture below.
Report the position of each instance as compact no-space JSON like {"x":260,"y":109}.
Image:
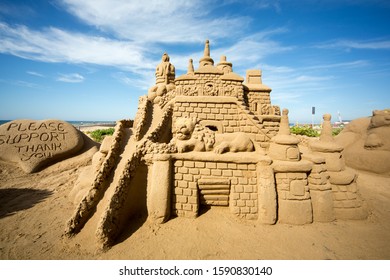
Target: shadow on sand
{"x":13,"y":200}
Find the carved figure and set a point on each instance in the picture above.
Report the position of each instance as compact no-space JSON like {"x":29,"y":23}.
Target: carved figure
{"x":165,"y":71}
{"x":192,"y":136}
{"x":165,"y":77}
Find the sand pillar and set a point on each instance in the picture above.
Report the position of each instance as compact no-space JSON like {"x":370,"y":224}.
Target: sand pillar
{"x":267,"y":203}
{"x":320,"y":191}
{"x":159,"y":191}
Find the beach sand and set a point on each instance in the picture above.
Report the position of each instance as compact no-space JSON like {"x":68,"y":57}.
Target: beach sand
{"x":34,"y":209}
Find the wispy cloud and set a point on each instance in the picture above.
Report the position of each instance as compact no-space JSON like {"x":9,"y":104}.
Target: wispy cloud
{"x":250,"y":49}
{"x":143,"y":79}
{"x":56,"y":45}
{"x":353,"y":44}
{"x":188,"y":19}
{"x":117,"y":40}
{"x":255,"y":47}
{"x":70,"y":78}
{"x":33,"y":73}
{"x":293,"y":82}
{"x":348,"y":64}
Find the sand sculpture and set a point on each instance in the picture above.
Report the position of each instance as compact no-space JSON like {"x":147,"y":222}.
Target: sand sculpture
{"x":34,"y":144}
{"x":367,"y":142}
{"x":206,"y":139}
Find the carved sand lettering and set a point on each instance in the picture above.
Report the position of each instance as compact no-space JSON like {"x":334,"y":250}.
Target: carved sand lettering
{"x":2,"y":141}
{"x":38,"y":151}
{"x":32,"y":126}
{"x":12,"y":125}
{"x":33,"y":135}
{"x":39,"y":147}
{"x":34,"y":143}
{"x":25,"y":157}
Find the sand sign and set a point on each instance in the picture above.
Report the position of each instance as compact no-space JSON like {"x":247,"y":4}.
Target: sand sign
{"x":33,"y":144}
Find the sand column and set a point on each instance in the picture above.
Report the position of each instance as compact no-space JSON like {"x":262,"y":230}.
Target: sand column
{"x":267,"y":202}
{"x":158,"y":201}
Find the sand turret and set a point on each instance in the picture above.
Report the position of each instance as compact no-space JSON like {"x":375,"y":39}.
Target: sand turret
{"x":284,"y":146}
{"x":226,"y":67}
{"x":206,"y":59}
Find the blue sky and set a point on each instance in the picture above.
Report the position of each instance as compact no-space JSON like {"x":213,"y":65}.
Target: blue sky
{"x":92,"y":59}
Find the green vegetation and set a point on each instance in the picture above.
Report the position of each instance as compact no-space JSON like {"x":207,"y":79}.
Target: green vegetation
{"x":99,"y":134}
{"x":310,"y":132}
{"x":336,"y":131}
{"x":304,"y":130}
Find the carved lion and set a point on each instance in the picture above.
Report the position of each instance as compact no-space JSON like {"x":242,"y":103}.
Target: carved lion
{"x":192,"y":136}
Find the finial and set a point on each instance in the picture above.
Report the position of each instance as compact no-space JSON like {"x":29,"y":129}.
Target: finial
{"x":206,"y":59}
{"x":206,"y":52}
{"x":190,"y":67}
{"x":284,"y":128}
{"x":223,"y":58}
{"x":326,"y":132}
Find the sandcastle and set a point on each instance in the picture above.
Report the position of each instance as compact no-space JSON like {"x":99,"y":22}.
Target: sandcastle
{"x":207,"y":139}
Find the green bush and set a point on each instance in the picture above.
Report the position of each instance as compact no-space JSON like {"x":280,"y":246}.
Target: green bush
{"x":336,"y":131}
{"x":304,"y":130}
{"x":99,"y":134}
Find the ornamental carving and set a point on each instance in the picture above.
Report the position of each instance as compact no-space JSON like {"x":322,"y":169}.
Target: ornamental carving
{"x":210,"y":89}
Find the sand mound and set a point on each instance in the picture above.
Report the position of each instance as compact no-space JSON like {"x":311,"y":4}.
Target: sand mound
{"x":366,"y":143}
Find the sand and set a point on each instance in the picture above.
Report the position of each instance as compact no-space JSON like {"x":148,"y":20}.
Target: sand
{"x":35,"y":207}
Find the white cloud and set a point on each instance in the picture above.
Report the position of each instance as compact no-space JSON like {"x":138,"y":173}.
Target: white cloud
{"x":143,"y":79}
{"x":177,"y":21}
{"x":351,"y":44}
{"x":251,"y":49}
{"x":247,"y":50}
{"x":131,"y":35}
{"x":56,"y":45}
{"x":349,"y":64}
{"x":70,"y":78}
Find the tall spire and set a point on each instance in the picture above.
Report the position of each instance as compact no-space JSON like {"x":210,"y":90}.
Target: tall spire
{"x":206,"y":52}
{"x":284,"y":128}
{"x":206,"y":59}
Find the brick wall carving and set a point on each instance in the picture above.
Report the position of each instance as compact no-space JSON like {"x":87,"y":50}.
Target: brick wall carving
{"x":193,"y":176}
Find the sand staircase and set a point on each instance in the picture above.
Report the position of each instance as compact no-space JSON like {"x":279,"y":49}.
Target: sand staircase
{"x":243,"y":107}
{"x":100,"y":210}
